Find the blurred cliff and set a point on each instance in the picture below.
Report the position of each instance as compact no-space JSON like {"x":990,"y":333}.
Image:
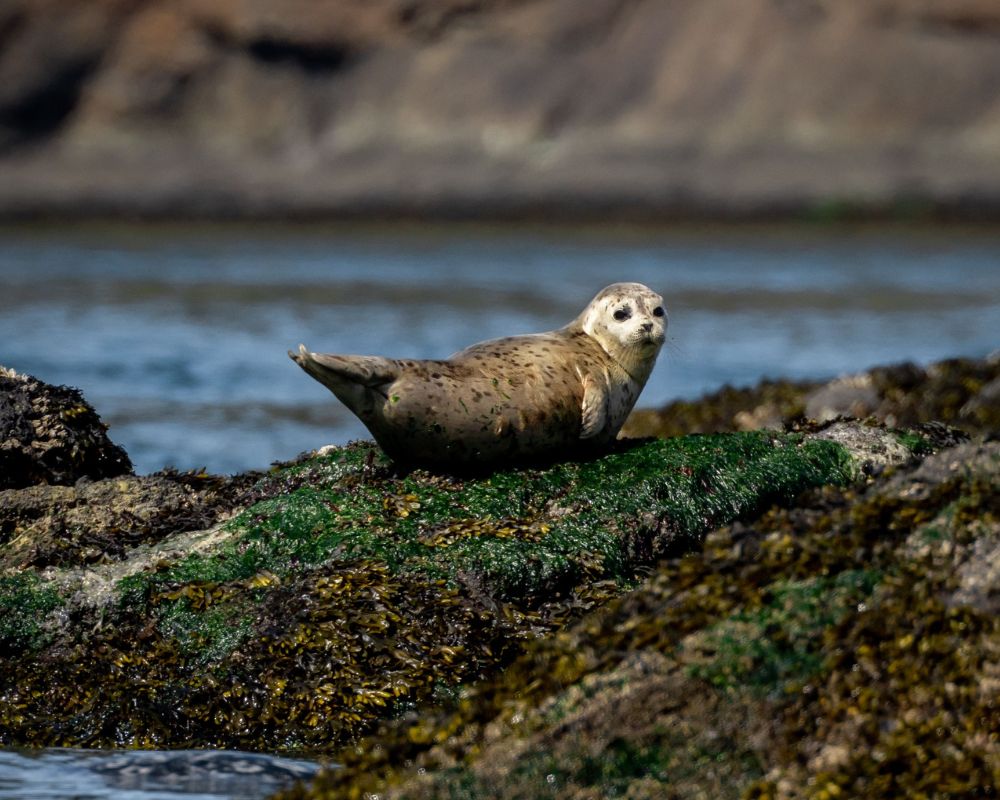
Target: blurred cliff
{"x":499,"y":107}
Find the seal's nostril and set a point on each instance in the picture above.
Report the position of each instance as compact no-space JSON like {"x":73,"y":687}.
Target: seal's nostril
{"x":647,"y":326}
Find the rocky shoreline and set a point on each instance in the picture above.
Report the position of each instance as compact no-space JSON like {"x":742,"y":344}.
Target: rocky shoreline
{"x":759,"y":613}
{"x":844,"y":647}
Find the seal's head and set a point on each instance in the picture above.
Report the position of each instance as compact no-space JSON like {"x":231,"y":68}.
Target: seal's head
{"x":628,"y":320}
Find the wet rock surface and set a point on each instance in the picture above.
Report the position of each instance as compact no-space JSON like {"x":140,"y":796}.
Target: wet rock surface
{"x":750,"y":613}
{"x":51,"y":435}
{"x":845,"y":647}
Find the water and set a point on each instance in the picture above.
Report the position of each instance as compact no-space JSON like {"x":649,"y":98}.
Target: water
{"x":177,"y":334}
{"x":71,"y":774}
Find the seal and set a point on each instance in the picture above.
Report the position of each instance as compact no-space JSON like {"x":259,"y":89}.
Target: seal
{"x":522,"y":398}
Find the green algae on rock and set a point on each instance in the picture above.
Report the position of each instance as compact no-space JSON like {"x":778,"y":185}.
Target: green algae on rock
{"x":345,"y":592}
{"x":845,"y":647}
{"x":25,"y":602}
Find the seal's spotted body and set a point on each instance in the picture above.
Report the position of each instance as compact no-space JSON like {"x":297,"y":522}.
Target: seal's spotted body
{"x":522,"y":397}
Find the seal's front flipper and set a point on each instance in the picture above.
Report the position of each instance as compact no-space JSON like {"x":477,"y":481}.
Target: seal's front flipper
{"x":359,"y":381}
{"x":595,"y":407}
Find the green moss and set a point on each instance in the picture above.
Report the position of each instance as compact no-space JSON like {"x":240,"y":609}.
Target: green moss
{"x":621,"y":763}
{"x":915,"y":443}
{"x":610,"y":771}
{"x":209,"y":635}
{"x":25,"y":601}
{"x":348,"y":591}
{"x":132,"y":593}
{"x":658,"y":762}
{"x":816,"y":629}
{"x":781,"y":640}
{"x":512,"y":528}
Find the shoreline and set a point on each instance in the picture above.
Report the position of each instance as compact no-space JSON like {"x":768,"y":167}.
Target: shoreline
{"x":973,"y":214}
{"x":623,"y":227}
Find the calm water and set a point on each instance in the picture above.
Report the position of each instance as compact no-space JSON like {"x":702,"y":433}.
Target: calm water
{"x":178,"y":334}
{"x":71,"y":774}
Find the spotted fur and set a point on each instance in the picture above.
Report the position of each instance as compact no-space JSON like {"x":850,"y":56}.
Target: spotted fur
{"x":505,"y":400}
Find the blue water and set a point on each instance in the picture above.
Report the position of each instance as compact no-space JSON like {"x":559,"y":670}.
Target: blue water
{"x":73,"y":774}
{"x":177,"y":334}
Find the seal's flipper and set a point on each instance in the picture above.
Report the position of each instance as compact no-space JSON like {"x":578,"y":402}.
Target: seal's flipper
{"x":359,"y":381}
{"x":505,"y":401}
{"x":594,"y":414}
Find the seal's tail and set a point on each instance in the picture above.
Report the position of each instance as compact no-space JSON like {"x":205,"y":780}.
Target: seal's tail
{"x":354,"y":379}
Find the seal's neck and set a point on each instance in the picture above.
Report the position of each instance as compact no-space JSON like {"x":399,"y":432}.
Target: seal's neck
{"x":637,"y":360}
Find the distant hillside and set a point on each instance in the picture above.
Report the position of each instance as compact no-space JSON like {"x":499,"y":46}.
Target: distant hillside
{"x":500,"y":107}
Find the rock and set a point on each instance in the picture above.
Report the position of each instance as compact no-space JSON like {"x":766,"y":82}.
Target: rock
{"x":51,"y":435}
{"x":103,"y":520}
{"x":958,"y":392}
{"x":459,"y":107}
{"x":769,"y":404}
{"x":984,"y":406}
{"x":850,"y":396}
{"x":330,"y":592}
{"x":873,"y":451}
{"x":979,"y":577}
{"x":729,"y":603}
{"x":801,"y":666}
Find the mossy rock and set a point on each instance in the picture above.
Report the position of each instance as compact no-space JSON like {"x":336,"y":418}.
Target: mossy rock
{"x":347,"y":592}
{"x":959,"y":392}
{"x":844,"y":647}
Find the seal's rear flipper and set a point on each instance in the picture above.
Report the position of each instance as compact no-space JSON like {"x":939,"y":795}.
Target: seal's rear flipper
{"x":356,"y":380}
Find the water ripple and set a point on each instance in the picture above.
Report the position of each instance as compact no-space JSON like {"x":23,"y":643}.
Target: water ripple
{"x":178,"y":334}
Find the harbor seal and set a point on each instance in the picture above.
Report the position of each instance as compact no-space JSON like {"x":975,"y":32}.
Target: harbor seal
{"x":522,"y":398}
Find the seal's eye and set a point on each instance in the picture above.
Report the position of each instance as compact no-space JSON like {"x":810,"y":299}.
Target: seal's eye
{"x":658,"y":311}
{"x":622,"y":314}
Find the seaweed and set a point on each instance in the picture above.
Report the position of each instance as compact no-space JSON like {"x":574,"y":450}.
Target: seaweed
{"x":826,"y":649}
{"x":348,"y":592}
